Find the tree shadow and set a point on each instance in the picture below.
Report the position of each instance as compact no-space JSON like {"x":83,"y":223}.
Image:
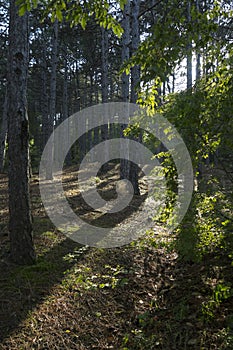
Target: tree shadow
{"x":24,"y":287}
{"x":105,"y":185}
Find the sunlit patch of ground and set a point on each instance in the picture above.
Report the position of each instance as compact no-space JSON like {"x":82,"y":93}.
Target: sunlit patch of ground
{"x":137,"y":297}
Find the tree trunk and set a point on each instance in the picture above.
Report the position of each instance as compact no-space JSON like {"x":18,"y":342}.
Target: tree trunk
{"x":189,"y":51}
{"x":20,"y":224}
{"x":135,"y":71}
{"x":198,"y":55}
{"x":76,"y":105}
{"x":65,"y":111}
{"x":44,"y":95}
{"x":91,"y":88}
{"x":124,"y":163}
{"x":125,"y":50}
{"x":173,"y":82}
{"x":96,"y":87}
{"x":3,"y":135}
{"x":104,"y":58}
{"x":52,"y":106}
{"x":135,"y":78}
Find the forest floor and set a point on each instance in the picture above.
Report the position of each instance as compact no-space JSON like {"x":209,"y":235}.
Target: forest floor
{"x":136,"y":297}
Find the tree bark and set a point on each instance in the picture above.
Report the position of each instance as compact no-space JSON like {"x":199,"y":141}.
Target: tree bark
{"x":44,"y":95}
{"x":104,"y":58}
{"x":3,"y":135}
{"x":189,"y":51}
{"x":65,"y":110}
{"x":52,"y":106}
{"x":125,"y":50}
{"x":135,"y":71}
{"x":124,"y":163}
{"x":104,"y":63}
{"x":20,"y":224}
{"x":135,"y":78}
{"x":198,"y":55}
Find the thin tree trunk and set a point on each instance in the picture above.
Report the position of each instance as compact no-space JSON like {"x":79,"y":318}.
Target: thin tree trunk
{"x":89,"y":138}
{"x":44,"y":101}
{"x":189,"y":51}
{"x":124,"y":163}
{"x":198,"y":55}
{"x":135,"y":71}
{"x":82,"y":141}
{"x":164,"y":90}
{"x":135,"y":78}
{"x":198,"y":66}
{"x":104,"y":57}
{"x":3,"y":135}
{"x":76,"y":106}
{"x":112,"y":85}
{"x":173,"y":82}
{"x":96,"y":136}
{"x":96,"y":87}
{"x":65,"y":92}
{"x":65,"y":112}
{"x":20,"y":224}
{"x":91,"y":88}
{"x":52,"y":107}
{"x":125,"y":50}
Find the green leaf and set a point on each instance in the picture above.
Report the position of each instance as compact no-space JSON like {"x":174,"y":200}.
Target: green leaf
{"x":122,"y":4}
{"x":59,"y":14}
{"x":83,"y":22}
{"x":22,"y":9}
{"x":117,"y":30}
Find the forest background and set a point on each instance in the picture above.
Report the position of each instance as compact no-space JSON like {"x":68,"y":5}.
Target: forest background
{"x":138,"y":51}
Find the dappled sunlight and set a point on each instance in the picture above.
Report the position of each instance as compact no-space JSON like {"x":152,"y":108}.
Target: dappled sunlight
{"x":120,"y":297}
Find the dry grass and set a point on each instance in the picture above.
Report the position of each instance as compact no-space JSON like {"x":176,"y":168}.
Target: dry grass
{"x":135,"y":297}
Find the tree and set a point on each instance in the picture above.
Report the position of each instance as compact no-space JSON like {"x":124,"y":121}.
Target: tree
{"x":3,"y":134}
{"x":125,"y":50}
{"x":135,"y":79}
{"x":20,"y":223}
{"x":124,"y":163}
{"x":52,"y":106}
{"x":4,"y":19}
{"x":135,"y":71}
{"x":198,"y":55}
{"x":44,"y":96}
{"x":104,"y":64}
{"x":78,"y":13}
{"x":189,"y":51}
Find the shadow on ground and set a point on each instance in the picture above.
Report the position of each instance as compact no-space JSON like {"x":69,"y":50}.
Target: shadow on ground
{"x":24,"y":287}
